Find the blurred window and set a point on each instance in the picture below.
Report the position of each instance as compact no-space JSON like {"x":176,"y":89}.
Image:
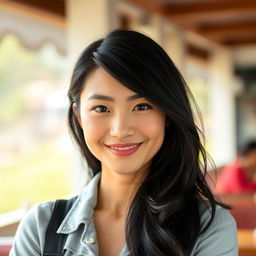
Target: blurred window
{"x":34,"y":142}
{"x":198,"y":82}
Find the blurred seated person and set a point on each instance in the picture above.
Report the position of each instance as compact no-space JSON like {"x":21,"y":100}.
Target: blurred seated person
{"x":239,"y":177}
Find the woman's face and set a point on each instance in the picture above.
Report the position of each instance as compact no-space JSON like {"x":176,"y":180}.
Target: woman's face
{"x":122,"y":129}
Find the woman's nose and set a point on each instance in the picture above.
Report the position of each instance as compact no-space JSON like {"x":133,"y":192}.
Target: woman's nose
{"x":121,"y":126}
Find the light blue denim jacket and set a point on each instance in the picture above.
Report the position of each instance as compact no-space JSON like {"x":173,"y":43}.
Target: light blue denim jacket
{"x":219,"y":239}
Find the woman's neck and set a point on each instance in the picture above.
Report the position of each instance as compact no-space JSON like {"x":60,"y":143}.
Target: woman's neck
{"x":116,"y":192}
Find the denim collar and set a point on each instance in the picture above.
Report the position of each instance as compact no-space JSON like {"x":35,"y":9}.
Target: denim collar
{"x":82,"y":213}
{"x":82,"y":210}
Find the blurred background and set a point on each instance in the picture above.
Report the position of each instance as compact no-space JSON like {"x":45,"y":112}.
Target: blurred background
{"x":212,"y":42}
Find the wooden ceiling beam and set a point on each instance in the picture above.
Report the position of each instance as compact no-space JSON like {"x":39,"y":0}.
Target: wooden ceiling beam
{"x":204,"y":7}
{"x":239,"y":41}
{"x":211,"y":15}
{"x":193,"y":12}
{"x":196,"y":9}
{"x":233,"y":39}
{"x":193,"y":6}
{"x":20,"y":7}
{"x":55,"y":7}
{"x":221,"y":30}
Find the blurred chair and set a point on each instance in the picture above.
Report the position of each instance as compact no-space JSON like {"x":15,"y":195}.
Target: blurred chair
{"x":237,"y":199}
{"x":245,"y":215}
{"x":4,"y":250}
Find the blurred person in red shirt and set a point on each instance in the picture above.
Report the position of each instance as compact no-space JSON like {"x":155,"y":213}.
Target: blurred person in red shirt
{"x":239,"y":176}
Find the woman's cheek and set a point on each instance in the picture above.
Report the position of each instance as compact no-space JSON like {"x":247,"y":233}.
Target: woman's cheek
{"x":93,"y":127}
{"x":155,"y":124}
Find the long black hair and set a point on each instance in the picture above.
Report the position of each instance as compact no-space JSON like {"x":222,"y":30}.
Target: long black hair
{"x":164,"y":216}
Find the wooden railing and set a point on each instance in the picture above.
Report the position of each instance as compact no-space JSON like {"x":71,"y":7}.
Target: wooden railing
{"x":5,"y":245}
{"x":247,"y":242}
{"x":8,"y":226}
{"x":244,"y":212}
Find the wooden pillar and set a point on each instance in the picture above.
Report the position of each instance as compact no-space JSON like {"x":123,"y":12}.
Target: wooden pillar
{"x":222,"y":106}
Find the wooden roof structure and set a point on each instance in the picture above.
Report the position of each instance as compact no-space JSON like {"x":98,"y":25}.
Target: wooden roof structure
{"x":227,"y":22}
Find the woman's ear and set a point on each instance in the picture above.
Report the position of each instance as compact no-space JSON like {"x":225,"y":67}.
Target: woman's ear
{"x":76,"y":111}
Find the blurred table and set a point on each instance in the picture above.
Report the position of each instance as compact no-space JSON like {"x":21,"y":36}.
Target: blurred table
{"x":234,"y":199}
{"x":246,"y":242}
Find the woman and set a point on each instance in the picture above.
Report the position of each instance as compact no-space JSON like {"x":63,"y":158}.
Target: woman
{"x":131,"y":117}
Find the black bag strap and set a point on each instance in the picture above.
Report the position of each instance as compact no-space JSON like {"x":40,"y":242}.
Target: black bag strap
{"x":54,"y":243}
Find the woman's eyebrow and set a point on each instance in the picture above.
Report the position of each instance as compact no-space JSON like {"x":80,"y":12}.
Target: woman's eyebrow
{"x":108,"y":98}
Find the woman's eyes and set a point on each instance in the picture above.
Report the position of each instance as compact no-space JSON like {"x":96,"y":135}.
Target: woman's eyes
{"x":142,"y":107}
{"x":100,"y":109}
{"x":139,"y":107}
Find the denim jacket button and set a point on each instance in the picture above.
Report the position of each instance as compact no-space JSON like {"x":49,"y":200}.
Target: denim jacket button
{"x":90,"y":240}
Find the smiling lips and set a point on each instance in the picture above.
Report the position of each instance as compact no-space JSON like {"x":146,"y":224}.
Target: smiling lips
{"x":123,"y":149}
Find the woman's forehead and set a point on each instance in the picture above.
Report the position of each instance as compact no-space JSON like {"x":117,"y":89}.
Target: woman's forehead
{"x":100,"y":82}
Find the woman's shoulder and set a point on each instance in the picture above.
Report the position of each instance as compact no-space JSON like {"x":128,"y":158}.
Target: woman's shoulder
{"x":42,"y":209}
{"x":39,"y":214}
{"x":221,"y":215}
{"x":29,"y":238}
{"x":213,"y":241}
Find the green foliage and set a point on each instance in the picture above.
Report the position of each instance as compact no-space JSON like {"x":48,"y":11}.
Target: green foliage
{"x":13,"y":110}
{"x":18,"y":67}
{"x":39,"y":173}
{"x":15,"y":64}
{"x":36,"y":176}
